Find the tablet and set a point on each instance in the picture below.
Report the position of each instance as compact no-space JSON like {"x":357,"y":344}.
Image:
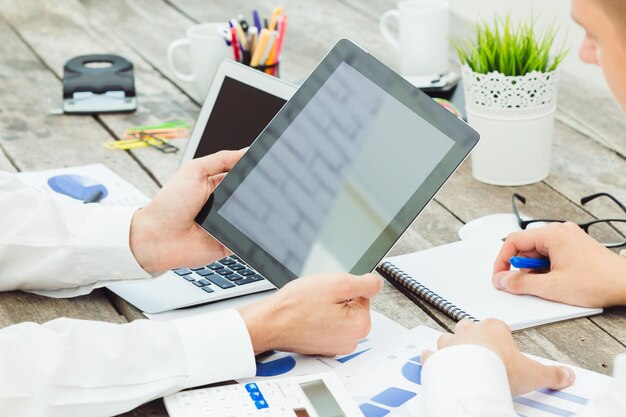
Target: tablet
{"x":339,"y":174}
{"x":240,"y":103}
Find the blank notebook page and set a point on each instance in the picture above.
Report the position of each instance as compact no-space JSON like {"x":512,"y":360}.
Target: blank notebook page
{"x":461,"y":273}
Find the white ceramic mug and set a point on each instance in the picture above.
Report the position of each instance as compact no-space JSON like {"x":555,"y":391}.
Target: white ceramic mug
{"x":423,"y":27}
{"x":207,"y":48}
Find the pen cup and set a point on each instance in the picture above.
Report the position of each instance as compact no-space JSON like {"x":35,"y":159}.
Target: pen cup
{"x":271,"y":69}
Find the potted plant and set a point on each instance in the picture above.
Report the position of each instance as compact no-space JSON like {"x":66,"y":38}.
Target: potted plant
{"x":510,"y":77}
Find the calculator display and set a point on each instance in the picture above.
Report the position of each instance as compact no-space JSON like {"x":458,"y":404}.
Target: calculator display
{"x":322,"y":399}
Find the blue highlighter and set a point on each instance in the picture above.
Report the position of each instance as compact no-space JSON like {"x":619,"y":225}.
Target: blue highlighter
{"x":529,"y":263}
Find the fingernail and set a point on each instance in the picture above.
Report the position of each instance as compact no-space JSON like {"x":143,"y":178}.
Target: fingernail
{"x":502,"y":279}
{"x":568,"y":374}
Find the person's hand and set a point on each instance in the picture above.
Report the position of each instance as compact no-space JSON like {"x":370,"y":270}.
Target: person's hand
{"x":164,"y":234}
{"x":524,"y":374}
{"x":320,"y":314}
{"x":582,"y":271}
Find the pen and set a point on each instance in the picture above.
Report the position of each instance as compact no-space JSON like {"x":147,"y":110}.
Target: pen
{"x":529,"y":263}
{"x":241,"y":36}
{"x":94,"y":198}
{"x":257,"y":20}
{"x":243,"y":23}
{"x":233,"y":34}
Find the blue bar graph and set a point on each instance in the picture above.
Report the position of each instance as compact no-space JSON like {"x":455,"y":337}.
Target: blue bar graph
{"x":543,"y":407}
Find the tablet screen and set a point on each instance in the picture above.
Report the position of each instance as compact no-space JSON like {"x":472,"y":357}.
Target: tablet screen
{"x":339,"y":174}
{"x":240,"y":113}
{"x":336,"y":177}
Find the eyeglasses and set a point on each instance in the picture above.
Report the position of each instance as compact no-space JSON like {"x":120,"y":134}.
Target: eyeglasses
{"x":606,"y":231}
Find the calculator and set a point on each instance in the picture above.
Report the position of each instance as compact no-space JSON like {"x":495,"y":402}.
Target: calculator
{"x":315,"y":395}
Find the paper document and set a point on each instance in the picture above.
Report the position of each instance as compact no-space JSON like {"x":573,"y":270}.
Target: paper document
{"x":75,"y":182}
{"x":387,"y":381}
{"x":281,"y":364}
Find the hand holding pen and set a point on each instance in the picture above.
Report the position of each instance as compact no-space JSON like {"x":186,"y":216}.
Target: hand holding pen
{"x":580,"y":271}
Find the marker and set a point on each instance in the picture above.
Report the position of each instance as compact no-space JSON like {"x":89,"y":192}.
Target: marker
{"x":529,"y":263}
{"x":94,"y":198}
{"x":264,"y":38}
{"x":273,"y":19}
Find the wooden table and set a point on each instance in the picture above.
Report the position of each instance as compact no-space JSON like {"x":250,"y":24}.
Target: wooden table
{"x":37,"y":37}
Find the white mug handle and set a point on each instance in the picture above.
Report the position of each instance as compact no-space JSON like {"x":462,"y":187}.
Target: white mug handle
{"x":170,"y":59}
{"x":384,"y":29}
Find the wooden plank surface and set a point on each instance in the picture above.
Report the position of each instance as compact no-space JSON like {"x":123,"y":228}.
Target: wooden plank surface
{"x":587,"y":158}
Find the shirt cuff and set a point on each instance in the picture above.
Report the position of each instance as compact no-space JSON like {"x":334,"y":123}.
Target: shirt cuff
{"x":217,"y":347}
{"x":103,"y":245}
{"x":465,"y":380}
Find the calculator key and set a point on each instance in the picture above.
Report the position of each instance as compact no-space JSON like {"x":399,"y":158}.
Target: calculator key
{"x":205,"y":281}
{"x":237,"y":259}
{"x":215,"y":266}
{"x":246,"y":272}
{"x":189,"y":277}
{"x":198,"y":283}
{"x":256,"y":396}
{"x":233,"y":277}
{"x":220,"y":282}
{"x":208,"y":289}
{"x":224,"y":271}
{"x":237,"y":267}
{"x":252,"y":387}
{"x":227,"y":261}
{"x":197,"y":269}
{"x":182,"y":271}
{"x":250,"y":279}
{"x":261,"y":404}
{"x":204,"y":272}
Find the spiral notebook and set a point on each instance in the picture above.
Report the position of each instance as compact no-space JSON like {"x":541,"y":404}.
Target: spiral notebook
{"x":456,"y":279}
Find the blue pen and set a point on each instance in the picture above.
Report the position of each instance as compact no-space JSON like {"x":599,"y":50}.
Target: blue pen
{"x":529,"y":263}
{"x":257,"y":20}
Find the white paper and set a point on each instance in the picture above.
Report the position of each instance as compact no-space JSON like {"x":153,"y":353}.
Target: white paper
{"x":120,"y":191}
{"x":461,"y":273}
{"x":281,"y":364}
{"x":393,"y":372}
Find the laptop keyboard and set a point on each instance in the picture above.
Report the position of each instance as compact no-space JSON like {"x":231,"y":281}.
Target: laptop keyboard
{"x":228,"y":272}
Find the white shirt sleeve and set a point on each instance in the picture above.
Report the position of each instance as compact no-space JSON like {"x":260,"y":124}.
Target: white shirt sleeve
{"x":464,"y":381}
{"x":51,"y":242}
{"x":471,"y":381}
{"x":72,"y":368}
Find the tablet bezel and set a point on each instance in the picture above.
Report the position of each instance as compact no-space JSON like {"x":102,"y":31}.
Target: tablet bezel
{"x":465,"y":139}
{"x":244,"y":74}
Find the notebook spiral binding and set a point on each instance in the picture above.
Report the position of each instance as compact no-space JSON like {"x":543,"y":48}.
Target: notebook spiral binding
{"x":392,"y":272}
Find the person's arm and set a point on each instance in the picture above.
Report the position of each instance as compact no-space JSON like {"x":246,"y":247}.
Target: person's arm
{"x":466,"y":381}
{"x":49,"y":242}
{"x":476,"y":369}
{"x":72,"y":368}
{"x":582,"y":271}
{"x":52,"y":242}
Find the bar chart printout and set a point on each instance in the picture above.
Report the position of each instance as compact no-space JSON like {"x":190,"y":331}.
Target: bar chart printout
{"x":386,"y":382}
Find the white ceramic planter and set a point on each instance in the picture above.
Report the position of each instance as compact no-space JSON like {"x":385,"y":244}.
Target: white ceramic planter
{"x":515,"y":119}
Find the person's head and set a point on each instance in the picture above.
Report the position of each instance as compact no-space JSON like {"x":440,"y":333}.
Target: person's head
{"x":604,"y":22}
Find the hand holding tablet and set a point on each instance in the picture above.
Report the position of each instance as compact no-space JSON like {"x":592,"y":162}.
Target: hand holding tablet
{"x":340,"y":172}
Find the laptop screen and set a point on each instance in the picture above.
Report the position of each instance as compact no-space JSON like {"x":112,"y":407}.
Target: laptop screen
{"x":239,"y":115}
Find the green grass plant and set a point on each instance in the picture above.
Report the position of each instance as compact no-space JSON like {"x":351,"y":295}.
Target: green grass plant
{"x":511,"y":49}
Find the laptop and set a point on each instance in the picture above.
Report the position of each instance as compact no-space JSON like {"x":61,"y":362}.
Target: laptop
{"x":240,"y":103}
